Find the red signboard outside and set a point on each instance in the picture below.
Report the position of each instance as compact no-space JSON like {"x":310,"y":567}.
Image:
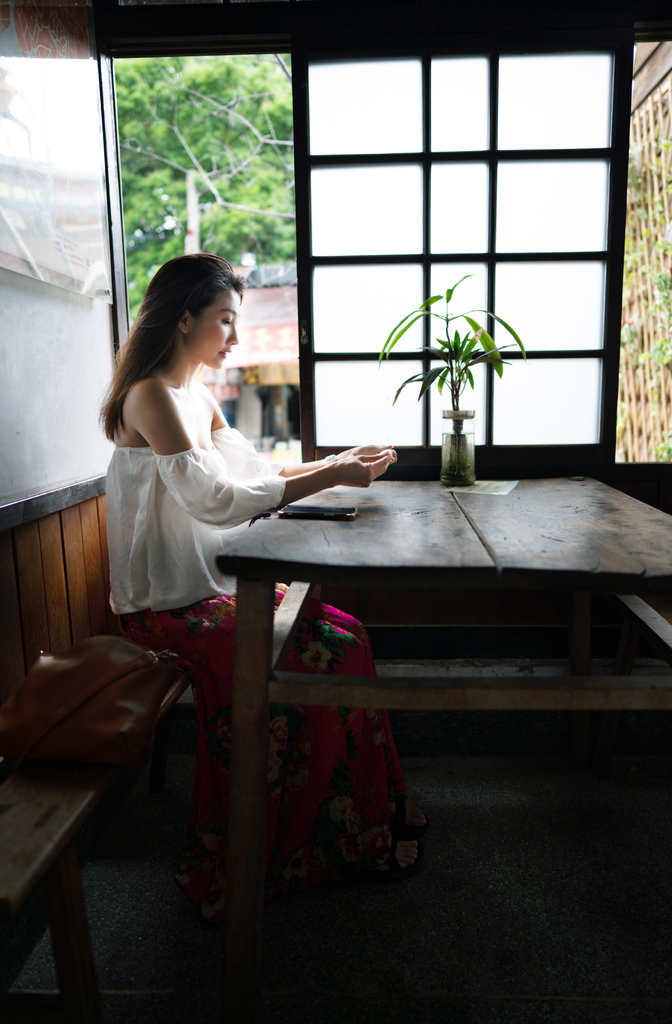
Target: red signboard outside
{"x":271,"y":343}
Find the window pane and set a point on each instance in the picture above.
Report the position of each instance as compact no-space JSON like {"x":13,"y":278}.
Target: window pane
{"x":555,"y":101}
{"x":551,"y":305}
{"x":366,"y":210}
{"x":459,"y":208}
{"x":552,"y":206}
{"x":471,"y":294}
{"x":353,"y":404}
{"x":548,"y":401}
{"x":365,"y":106}
{"x":470,"y":400}
{"x":355,"y":308}
{"x":460,"y":103}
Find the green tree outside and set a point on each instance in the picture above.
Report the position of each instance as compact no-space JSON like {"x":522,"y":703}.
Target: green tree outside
{"x":229,"y":120}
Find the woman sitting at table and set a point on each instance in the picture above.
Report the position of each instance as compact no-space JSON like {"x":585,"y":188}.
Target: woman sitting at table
{"x":180,"y":484}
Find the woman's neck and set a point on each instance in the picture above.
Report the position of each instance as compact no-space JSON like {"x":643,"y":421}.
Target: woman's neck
{"x":179,"y":372}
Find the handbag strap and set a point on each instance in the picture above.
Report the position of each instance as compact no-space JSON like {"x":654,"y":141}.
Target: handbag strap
{"x":98,"y":683}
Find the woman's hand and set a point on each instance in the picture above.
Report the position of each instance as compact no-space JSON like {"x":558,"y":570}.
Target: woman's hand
{"x":358,"y":467}
{"x":368,"y":451}
{"x":362,"y":469}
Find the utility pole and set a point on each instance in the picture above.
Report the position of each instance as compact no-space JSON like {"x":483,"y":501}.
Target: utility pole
{"x":192,"y":238}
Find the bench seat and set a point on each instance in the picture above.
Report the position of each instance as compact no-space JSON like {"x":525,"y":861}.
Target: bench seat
{"x":43,"y":806}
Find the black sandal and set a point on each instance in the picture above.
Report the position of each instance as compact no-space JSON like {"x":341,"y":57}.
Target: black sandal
{"x":400,"y":830}
{"x":396,"y":873}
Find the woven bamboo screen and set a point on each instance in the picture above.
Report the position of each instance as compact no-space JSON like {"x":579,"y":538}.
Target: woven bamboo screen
{"x":645,"y":394}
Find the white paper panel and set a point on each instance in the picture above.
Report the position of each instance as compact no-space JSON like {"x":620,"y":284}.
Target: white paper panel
{"x":552,"y":305}
{"x":353,"y":403}
{"x":460,"y":103}
{"x":459,"y":208}
{"x":548,"y":401}
{"x":365,"y":106}
{"x":555,"y":101}
{"x":358,"y":211}
{"x":356,"y":307}
{"x":552,"y":206}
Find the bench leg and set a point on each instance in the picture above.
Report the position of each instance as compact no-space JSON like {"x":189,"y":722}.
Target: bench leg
{"x":579,"y":665}
{"x":610,"y":720}
{"x":71,"y":941}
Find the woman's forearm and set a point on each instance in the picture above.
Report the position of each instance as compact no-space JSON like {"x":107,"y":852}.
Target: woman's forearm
{"x":300,"y":469}
{"x":348,"y":470}
{"x":316,"y":476}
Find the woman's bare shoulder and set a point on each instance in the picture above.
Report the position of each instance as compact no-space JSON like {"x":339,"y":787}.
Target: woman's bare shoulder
{"x":150,"y":410}
{"x":206,"y":396}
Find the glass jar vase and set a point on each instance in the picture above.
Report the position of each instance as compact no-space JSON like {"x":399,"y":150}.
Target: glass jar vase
{"x":458,"y":459}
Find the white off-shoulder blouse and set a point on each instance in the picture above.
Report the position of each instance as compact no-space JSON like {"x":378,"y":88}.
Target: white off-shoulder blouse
{"x":169,"y":516}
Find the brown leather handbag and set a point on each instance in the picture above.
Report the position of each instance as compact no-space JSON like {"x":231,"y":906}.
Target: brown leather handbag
{"x":99,"y":701}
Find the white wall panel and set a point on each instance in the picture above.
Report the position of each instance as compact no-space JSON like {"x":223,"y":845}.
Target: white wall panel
{"x":56,"y":357}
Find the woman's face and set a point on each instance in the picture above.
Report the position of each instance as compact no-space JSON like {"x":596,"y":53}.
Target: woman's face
{"x":210,"y":337}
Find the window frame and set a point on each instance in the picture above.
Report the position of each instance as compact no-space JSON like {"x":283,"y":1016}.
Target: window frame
{"x":492,"y":460}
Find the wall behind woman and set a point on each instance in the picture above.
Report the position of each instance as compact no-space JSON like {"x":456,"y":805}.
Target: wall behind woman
{"x":56,"y":332}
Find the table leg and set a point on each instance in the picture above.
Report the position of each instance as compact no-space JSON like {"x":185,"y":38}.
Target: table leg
{"x":610,"y":720}
{"x":579,"y":665}
{"x":243,"y":909}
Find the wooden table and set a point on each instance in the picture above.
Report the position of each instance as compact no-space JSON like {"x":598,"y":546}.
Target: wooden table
{"x":573,"y":535}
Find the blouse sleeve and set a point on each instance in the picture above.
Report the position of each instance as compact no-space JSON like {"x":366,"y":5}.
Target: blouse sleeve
{"x":241,"y":457}
{"x":201,"y":483}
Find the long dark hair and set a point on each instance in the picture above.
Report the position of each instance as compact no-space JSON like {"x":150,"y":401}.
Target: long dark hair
{"x":186,"y":284}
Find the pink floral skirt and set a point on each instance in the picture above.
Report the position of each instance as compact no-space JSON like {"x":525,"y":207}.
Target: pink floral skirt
{"x":331,"y":771}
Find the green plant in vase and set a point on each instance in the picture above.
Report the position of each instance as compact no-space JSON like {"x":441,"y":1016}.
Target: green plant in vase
{"x":458,"y":355}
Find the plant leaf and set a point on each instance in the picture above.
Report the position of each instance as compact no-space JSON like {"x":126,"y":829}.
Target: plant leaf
{"x":430,"y":301}
{"x":508,"y":327}
{"x":430,"y":378}
{"x":396,"y":333}
{"x":483,"y":336}
{"x":510,"y":330}
{"x":449,"y":291}
{"x":411,"y":380}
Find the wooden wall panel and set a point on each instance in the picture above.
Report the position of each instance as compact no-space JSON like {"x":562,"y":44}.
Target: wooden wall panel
{"x":11,"y":643}
{"x":112,"y":620}
{"x":32,"y":597}
{"x":53,"y":569}
{"x":75,"y":573}
{"x":93,"y":564}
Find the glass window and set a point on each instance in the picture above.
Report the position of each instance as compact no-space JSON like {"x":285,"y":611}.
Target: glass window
{"x":505,"y":198}
{"x":460,"y":103}
{"x":354,"y":404}
{"x":553,"y":305}
{"x":356,"y":306}
{"x":361,"y":210}
{"x":555,"y":101}
{"x":548,"y":401}
{"x":362,"y":106}
{"x":552,"y":206}
{"x":459,"y":208}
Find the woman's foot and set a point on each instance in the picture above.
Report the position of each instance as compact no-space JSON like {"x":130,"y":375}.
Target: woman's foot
{"x":406,"y":820}
{"x":405,"y":853}
{"x":404,"y":861}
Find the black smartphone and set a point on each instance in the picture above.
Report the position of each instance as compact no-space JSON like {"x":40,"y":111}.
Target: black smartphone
{"x":317,"y":512}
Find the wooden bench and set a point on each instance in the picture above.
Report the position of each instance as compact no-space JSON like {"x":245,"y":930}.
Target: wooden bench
{"x":55,"y":593}
{"x":647,"y":618}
